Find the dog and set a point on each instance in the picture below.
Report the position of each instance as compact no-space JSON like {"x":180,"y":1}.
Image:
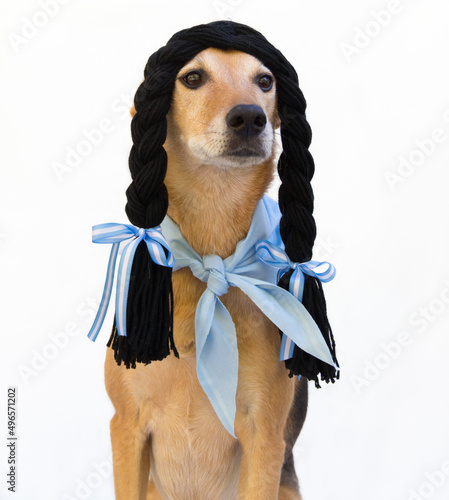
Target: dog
{"x":167,"y":441}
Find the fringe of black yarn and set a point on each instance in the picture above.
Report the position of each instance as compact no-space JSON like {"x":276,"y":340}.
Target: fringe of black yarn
{"x":149,"y":314}
{"x":303,"y":363}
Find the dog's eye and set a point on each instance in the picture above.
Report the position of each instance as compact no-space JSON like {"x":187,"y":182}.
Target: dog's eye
{"x":265,"y":82}
{"x":193,"y":79}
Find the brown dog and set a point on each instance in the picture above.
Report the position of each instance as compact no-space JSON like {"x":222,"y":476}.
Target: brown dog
{"x":167,"y":441}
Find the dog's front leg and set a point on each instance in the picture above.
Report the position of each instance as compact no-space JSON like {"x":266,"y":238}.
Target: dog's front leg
{"x":131,"y":458}
{"x":260,"y":469}
{"x":260,"y":430}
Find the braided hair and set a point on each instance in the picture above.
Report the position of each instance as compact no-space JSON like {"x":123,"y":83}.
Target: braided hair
{"x":150,"y":299}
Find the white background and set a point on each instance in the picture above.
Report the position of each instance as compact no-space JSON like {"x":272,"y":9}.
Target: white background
{"x":378,"y":433}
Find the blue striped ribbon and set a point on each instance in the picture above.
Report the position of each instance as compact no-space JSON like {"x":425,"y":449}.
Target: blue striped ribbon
{"x":277,"y":258}
{"x":114,"y":234}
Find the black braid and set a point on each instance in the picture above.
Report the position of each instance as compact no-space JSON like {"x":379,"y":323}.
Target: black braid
{"x":298,"y":230}
{"x":150,"y":296}
{"x":150,"y":321}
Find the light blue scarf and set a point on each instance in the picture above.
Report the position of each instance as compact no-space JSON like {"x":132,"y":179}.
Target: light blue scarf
{"x":255,"y":267}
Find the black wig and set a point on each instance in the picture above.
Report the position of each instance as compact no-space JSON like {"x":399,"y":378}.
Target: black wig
{"x":150,"y":299}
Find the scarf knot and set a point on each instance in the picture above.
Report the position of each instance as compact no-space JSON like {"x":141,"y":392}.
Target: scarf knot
{"x":217,"y":282}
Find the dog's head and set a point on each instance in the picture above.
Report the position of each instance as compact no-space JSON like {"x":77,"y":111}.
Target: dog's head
{"x":223,"y":111}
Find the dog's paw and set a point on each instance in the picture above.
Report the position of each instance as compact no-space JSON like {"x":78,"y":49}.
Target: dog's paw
{"x":286,"y":493}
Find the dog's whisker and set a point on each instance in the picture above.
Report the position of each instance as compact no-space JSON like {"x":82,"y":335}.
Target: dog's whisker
{"x":180,"y":140}
{"x":207,"y":143}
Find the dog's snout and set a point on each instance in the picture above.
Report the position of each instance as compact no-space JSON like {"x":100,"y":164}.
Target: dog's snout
{"x":246,"y":120}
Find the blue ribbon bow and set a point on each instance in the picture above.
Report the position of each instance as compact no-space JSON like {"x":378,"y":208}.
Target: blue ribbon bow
{"x":115,"y":234}
{"x":277,"y":258}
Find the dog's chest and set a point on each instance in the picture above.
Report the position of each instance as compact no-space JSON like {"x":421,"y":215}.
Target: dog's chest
{"x":187,"y":439}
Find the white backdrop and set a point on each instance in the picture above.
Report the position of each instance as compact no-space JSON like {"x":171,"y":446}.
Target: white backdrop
{"x":375,"y":75}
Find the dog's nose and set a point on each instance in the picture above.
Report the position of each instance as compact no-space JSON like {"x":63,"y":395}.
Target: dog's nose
{"x":246,"y":120}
